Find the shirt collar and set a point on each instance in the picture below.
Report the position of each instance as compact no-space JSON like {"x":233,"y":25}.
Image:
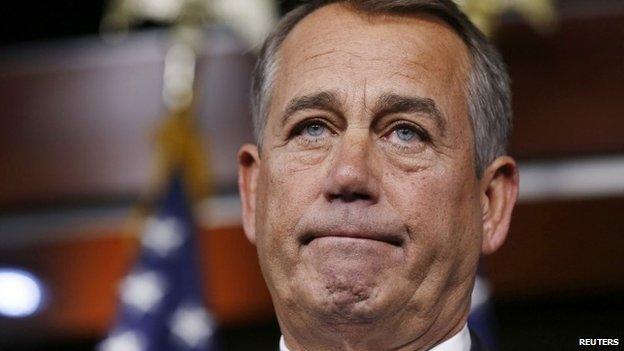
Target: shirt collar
{"x":458,"y":342}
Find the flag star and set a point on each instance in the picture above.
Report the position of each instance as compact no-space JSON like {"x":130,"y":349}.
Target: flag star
{"x":126,"y":341}
{"x":162,"y":236}
{"x":142,"y":291}
{"x":192,"y":325}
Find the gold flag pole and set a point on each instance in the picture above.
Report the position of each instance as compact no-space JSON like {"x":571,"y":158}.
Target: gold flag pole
{"x":179,"y":144}
{"x":179,"y":148}
{"x":486,"y":14}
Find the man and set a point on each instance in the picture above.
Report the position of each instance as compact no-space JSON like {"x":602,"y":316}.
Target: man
{"x":379,"y":176}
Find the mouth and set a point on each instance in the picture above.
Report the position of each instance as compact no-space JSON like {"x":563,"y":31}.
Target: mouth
{"x":391,"y":239}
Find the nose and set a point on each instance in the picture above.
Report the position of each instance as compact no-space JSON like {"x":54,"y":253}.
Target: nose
{"x":353,"y":175}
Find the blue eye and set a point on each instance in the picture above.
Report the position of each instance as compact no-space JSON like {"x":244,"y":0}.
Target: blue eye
{"x":405,"y":134}
{"x":315,"y":129}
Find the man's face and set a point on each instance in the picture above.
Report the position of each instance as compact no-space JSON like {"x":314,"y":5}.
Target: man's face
{"x":367,"y":205}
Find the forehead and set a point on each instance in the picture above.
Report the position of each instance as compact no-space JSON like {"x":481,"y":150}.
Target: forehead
{"x":336,"y":48}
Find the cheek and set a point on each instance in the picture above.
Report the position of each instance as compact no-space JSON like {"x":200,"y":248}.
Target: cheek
{"x":438,"y":206}
{"x":288,"y":189}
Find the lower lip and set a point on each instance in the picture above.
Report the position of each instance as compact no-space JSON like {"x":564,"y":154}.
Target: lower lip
{"x":340,"y":251}
{"x":346,"y":240}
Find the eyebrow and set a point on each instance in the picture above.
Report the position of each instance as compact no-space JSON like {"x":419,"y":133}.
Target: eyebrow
{"x":394,"y":103}
{"x":389,"y":103}
{"x":324,"y":100}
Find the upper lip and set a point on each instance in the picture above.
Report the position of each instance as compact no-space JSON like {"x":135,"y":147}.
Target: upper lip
{"x":390,"y":238}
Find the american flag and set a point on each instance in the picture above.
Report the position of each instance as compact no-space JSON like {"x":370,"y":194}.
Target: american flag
{"x":161,"y":305}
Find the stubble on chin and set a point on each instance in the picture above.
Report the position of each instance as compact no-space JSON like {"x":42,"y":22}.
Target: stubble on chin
{"x":338,"y":298}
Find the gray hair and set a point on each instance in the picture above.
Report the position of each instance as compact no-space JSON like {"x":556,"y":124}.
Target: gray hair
{"x":488,"y":93}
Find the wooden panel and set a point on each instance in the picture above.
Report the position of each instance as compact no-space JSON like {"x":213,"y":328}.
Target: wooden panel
{"x":568,"y":88}
{"x":561,"y":248}
{"x":78,"y":117}
{"x":234,"y":281}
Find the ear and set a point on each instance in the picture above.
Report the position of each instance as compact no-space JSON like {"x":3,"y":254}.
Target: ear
{"x":248,"y":168}
{"x":499,"y":191}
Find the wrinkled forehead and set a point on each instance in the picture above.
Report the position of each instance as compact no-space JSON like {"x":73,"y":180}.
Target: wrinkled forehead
{"x":336,"y":48}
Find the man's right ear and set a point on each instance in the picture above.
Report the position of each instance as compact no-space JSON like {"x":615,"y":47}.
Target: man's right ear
{"x":248,"y":168}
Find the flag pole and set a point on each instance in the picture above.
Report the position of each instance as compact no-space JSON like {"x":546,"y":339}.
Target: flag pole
{"x":162,"y":305}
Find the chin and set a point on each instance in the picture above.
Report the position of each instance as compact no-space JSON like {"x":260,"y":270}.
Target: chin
{"x":350,"y":303}
{"x":348,"y":280}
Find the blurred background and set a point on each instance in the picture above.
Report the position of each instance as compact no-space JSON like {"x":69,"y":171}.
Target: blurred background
{"x":79,"y":115}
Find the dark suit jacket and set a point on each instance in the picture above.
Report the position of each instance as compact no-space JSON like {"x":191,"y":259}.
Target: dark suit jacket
{"x":475,"y":342}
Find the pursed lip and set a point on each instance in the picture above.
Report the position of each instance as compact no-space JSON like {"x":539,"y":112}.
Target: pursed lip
{"x":389,"y":238}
